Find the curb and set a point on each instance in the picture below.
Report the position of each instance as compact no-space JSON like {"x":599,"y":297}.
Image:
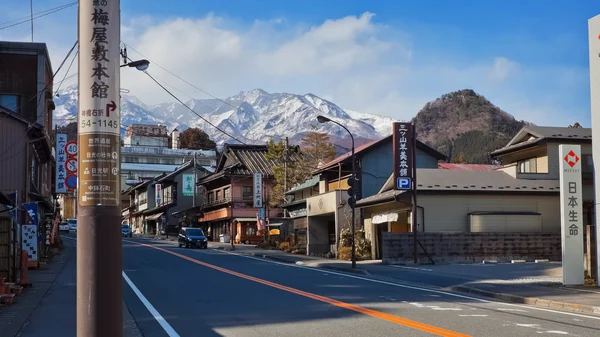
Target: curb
{"x":538,"y":302}
{"x":301,"y":263}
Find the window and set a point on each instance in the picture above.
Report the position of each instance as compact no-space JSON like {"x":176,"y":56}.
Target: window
{"x":227,"y":193}
{"x":11,"y":102}
{"x":218,"y":195}
{"x":527,"y":165}
{"x":251,"y":230}
{"x":247,"y":192}
{"x":143,"y":198}
{"x":211,"y":197}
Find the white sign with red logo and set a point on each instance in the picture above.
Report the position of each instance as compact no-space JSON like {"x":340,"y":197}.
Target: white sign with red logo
{"x":571,"y":200}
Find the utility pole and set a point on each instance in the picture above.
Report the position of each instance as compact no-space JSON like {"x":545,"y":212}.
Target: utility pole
{"x":99,"y":250}
{"x":414,"y":214}
{"x":285,"y":161}
{"x":195,"y":181}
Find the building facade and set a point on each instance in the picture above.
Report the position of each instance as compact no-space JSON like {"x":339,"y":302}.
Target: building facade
{"x":320,"y":206}
{"x":26,"y":151}
{"x":229,"y":191}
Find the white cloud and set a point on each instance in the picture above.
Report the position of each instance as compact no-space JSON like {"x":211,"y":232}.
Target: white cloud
{"x":357,"y":62}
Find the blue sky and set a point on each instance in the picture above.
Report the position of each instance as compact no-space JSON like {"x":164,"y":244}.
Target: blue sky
{"x":386,"y":57}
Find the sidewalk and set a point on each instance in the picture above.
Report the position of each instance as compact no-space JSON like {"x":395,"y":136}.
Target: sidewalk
{"x":538,"y":284}
{"x":48,"y":308}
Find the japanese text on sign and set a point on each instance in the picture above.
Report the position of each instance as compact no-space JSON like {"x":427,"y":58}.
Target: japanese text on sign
{"x":61,"y":160}
{"x":403,"y":152}
{"x":258,"y":200}
{"x":99,"y":77}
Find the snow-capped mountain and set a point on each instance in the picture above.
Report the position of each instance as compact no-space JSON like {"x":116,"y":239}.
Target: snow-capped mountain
{"x":253,"y":116}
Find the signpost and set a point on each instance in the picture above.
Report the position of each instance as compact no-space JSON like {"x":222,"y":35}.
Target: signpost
{"x":188,"y":185}
{"x":594,"y":48}
{"x":99,"y":120}
{"x":61,"y":159}
{"x":571,"y":214}
{"x":404,"y":140}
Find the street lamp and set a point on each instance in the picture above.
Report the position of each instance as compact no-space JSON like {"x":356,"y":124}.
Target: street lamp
{"x":323,"y":119}
{"x":140,"y":65}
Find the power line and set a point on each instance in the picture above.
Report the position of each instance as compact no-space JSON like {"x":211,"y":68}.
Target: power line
{"x":183,"y":80}
{"x":67,"y":72}
{"x":39,"y":15}
{"x":185,"y":105}
{"x":47,"y":85}
{"x":38,"y":103}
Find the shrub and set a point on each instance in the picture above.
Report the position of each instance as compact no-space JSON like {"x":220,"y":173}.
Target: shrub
{"x":345,"y":253}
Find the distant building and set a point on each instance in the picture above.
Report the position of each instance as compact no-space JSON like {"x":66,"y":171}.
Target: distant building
{"x":147,"y":135}
{"x":146,"y":154}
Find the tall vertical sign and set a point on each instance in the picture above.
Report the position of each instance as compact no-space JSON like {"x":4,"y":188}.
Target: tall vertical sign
{"x":402,"y":138}
{"x":61,"y":160}
{"x":99,"y":110}
{"x":158,"y":194}
{"x":99,"y":251}
{"x":594,"y":45}
{"x":571,"y":214}
{"x":258,"y":199}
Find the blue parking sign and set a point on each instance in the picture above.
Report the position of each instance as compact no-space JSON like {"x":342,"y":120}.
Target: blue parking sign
{"x":404,"y":183}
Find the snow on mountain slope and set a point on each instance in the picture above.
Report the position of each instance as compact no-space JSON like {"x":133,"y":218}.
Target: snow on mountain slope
{"x":253,"y":116}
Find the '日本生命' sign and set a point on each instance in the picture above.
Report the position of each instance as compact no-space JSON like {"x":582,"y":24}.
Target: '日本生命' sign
{"x":572,"y":214}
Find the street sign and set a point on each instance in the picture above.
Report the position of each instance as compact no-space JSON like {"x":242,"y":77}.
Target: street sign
{"x":71,"y":165}
{"x":71,"y":182}
{"x":71,"y":149}
{"x":403,"y":152}
{"x":61,"y":158}
{"x":571,"y":201}
{"x":99,"y":109}
{"x":403,"y":184}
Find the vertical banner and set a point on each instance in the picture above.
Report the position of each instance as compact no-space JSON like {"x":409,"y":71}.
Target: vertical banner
{"x":61,"y":160}
{"x":99,"y":105}
{"x":571,"y":214}
{"x":402,"y":139}
{"x":188,"y":185}
{"x":158,"y":194}
{"x":594,"y":47}
{"x":29,"y":243}
{"x":258,"y":199}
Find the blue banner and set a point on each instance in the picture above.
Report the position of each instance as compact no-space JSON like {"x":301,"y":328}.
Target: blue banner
{"x":32,"y":211}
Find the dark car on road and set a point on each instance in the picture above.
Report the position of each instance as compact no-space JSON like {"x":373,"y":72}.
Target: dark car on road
{"x":192,"y":237}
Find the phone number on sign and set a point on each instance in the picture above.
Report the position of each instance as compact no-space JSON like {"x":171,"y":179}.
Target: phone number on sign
{"x":103,"y":123}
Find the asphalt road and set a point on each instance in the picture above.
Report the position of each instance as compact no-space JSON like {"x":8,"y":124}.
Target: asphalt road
{"x":173,"y":291}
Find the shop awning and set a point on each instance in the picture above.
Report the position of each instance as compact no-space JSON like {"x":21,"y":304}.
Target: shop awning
{"x":386,"y":217}
{"x":155,"y":216}
{"x":244,"y":220}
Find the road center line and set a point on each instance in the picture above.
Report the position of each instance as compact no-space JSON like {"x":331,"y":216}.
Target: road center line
{"x":163,"y":323}
{"x":369,"y":312}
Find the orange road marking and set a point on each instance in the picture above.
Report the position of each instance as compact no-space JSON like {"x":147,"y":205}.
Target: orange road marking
{"x":369,"y":312}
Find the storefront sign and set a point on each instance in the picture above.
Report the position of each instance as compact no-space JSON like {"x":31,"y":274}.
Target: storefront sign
{"x":158,"y":193}
{"x":29,"y":243}
{"x":383,"y":218}
{"x":99,"y":112}
{"x":403,"y":151}
{"x":572,"y":214}
{"x":61,"y":160}
{"x":188,"y":185}
{"x":258,"y":199}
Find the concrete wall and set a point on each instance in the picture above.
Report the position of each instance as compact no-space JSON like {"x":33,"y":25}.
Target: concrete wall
{"x":449,"y":213}
{"x":472,"y":247}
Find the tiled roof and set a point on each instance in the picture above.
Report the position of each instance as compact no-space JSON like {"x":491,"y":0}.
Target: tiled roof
{"x":466,"y":181}
{"x":420,"y":145}
{"x":468,"y":167}
{"x":307,"y":184}
{"x":540,"y":133}
{"x":245,"y":160}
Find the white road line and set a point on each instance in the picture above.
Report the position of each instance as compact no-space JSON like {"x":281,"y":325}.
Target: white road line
{"x":413,"y":268}
{"x":413,"y":287}
{"x":165,"y":325}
